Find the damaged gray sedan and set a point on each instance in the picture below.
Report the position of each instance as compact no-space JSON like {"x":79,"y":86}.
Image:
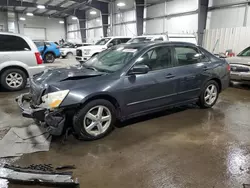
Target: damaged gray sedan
{"x":124,"y":82}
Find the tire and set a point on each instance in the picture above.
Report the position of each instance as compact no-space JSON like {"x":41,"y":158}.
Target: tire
{"x":81,"y":122}
{"x":18,"y":82}
{"x":70,"y":55}
{"x":213,"y":97}
{"x":49,"y":58}
{"x":63,"y":57}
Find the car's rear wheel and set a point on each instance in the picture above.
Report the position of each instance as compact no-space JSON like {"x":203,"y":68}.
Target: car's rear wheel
{"x":209,"y":95}
{"x":70,"y":55}
{"x":49,"y":58}
{"x":13,"y":79}
{"x":95,"y":120}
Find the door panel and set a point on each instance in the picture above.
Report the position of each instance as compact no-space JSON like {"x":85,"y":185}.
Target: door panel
{"x":155,"y":89}
{"x":148,"y":91}
{"x":191,"y":72}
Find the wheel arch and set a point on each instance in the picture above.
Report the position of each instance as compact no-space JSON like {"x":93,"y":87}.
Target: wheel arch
{"x":107,"y":97}
{"x":218,"y":81}
{"x":15,"y":67}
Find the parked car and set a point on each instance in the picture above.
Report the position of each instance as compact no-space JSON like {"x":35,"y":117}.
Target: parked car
{"x":169,"y":37}
{"x":69,"y":50}
{"x":240,"y":66}
{"x":85,"y":53}
{"x":122,"y":82}
{"x":19,"y":60}
{"x":49,"y":51}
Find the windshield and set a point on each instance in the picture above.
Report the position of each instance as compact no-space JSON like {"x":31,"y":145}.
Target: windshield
{"x":111,"y":60}
{"x":140,"y":39}
{"x":102,"y":41}
{"x":245,"y":52}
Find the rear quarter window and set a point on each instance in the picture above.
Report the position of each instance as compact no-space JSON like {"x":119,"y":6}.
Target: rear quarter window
{"x":13,"y":43}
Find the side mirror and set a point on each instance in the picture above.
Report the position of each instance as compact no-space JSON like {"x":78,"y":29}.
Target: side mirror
{"x":139,"y":69}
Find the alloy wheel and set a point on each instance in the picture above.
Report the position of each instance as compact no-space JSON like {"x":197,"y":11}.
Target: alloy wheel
{"x":211,"y":94}
{"x":14,"y":80}
{"x":97,"y":120}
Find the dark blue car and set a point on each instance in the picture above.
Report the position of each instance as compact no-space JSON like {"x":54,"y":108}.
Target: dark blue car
{"x":123,"y":82}
{"x":49,"y":51}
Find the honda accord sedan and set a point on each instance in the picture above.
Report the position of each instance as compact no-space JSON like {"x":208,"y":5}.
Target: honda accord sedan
{"x":240,"y":66}
{"x":123,"y":82}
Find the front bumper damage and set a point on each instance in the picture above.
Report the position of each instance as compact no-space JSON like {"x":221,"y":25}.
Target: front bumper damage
{"x":54,"y":120}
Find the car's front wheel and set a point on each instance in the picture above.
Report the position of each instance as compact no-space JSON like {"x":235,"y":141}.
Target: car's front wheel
{"x":95,"y":120}
{"x":209,"y":95}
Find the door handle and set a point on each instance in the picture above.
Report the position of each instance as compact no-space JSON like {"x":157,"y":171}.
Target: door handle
{"x":169,"y":76}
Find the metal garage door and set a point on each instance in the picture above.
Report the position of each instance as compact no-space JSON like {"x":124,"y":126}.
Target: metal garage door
{"x":35,"y":33}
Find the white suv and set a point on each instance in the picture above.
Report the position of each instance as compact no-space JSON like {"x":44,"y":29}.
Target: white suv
{"x":86,"y":52}
{"x":69,"y":50}
{"x":19,"y":60}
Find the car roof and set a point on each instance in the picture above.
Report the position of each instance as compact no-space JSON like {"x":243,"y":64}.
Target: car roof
{"x":149,"y":44}
{"x":118,"y":37}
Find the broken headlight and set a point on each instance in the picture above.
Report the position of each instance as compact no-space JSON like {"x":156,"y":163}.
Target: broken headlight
{"x":53,"y":100}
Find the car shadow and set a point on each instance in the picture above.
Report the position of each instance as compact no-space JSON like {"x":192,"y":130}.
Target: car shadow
{"x":121,"y":124}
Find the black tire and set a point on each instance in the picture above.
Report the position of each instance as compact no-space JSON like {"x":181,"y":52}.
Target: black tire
{"x":202,"y":103}
{"x":63,"y":57}
{"x":9,"y":71}
{"x":49,"y":57}
{"x":79,"y":118}
{"x":70,"y":55}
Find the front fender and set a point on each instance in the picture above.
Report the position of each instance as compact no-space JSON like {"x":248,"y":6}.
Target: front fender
{"x":78,"y":98}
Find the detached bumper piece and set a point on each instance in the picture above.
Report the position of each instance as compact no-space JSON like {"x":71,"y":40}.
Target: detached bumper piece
{"x":19,"y":175}
{"x":54,"y":121}
{"x":28,"y":112}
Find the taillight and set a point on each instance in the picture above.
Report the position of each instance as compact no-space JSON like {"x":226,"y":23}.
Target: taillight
{"x":39,"y":59}
{"x":57,"y":47}
{"x":228,"y":68}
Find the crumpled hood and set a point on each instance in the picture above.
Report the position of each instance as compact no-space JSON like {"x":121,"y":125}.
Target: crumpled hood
{"x":52,"y":80}
{"x":239,"y":60}
{"x":51,"y":76}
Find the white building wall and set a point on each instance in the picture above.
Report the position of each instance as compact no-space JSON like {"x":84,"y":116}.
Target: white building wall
{"x":3,"y":21}
{"x":179,"y":24}
{"x":226,"y":18}
{"x":73,"y":29}
{"x":125,"y":24}
{"x":54,"y":30}
{"x":223,"y":39}
{"x":94,"y":30}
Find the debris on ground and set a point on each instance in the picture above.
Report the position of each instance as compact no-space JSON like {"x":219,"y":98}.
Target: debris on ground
{"x":19,"y":141}
{"x":41,"y":174}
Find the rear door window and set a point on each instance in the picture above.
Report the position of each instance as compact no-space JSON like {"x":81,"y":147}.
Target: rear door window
{"x":13,"y":43}
{"x":124,"y":40}
{"x":187,"y":55}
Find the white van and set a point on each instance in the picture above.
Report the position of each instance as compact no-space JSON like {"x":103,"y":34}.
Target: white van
{"x":19,"y":60}
{"x":84,"y":53}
